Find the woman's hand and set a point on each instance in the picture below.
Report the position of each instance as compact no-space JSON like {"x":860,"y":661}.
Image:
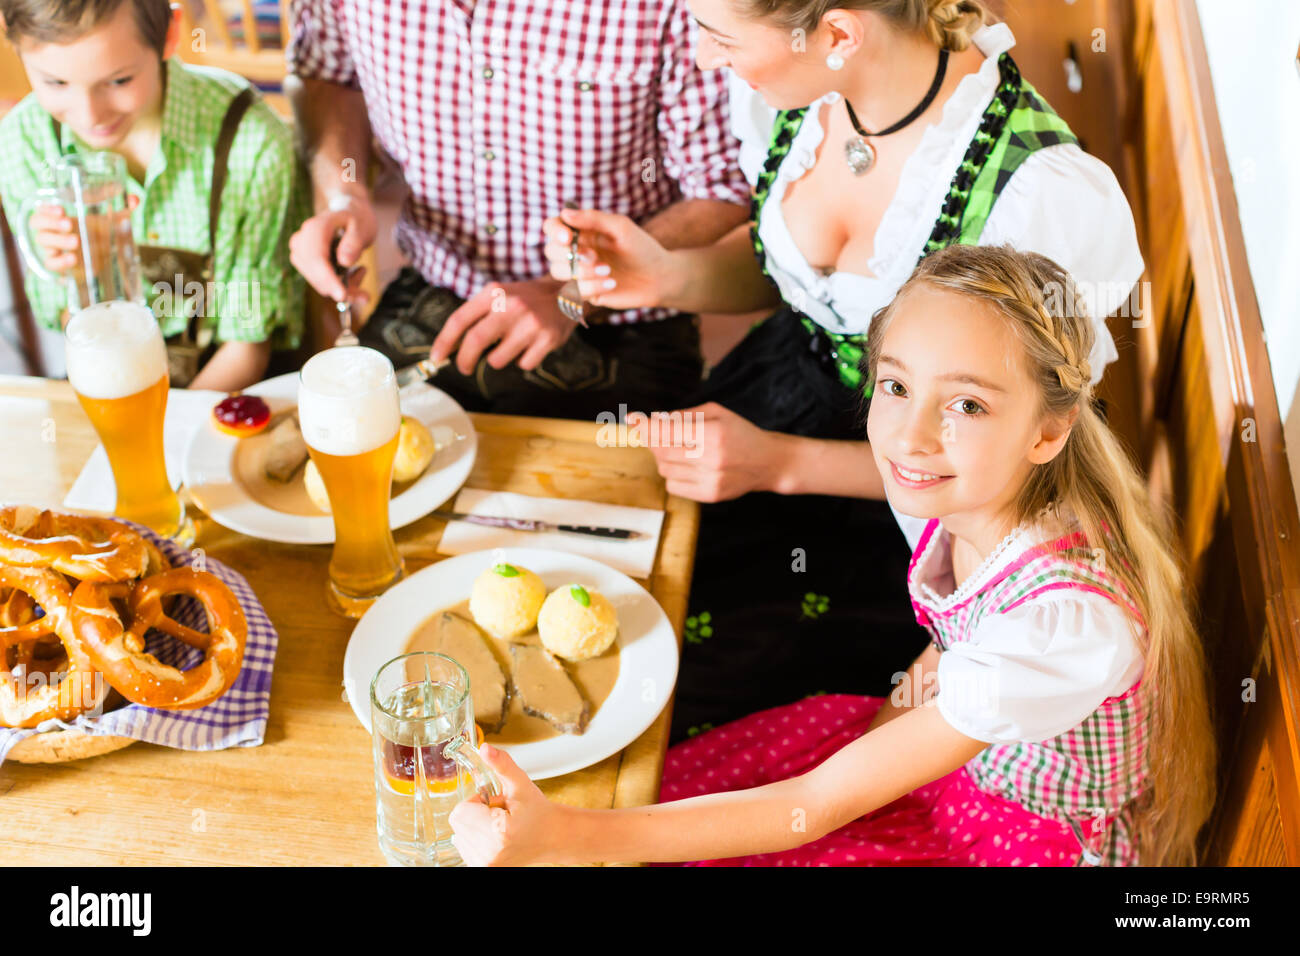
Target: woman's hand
{"x":709,"y":453}
{"x":519,"y":828}
{"x":620,"y":265}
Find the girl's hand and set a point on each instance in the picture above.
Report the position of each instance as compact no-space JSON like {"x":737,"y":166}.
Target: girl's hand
{"x":710,"y":453}
{"x":620,"y":265}
{"x":520,"y":826}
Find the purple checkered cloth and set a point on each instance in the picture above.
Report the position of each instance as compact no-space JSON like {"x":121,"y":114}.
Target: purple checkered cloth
{"x":236,"y":719}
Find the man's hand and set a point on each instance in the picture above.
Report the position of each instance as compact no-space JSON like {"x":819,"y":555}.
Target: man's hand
{"x":309,"y":247}
{"x":522,"y":316}
{"x":709,"y":453}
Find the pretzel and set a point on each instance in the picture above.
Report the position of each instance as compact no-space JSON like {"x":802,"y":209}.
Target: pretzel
{"x":30,"y":689}
{"x":88,"y":549}
{"x":119,"y":651}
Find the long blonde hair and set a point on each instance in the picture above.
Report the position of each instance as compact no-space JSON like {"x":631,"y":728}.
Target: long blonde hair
{"x":949,"y":23}
{"x":1094,"y":480}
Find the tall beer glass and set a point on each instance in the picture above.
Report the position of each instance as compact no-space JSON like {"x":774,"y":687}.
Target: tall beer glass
{"x":117,"y":365}
{"x":350,"y":417}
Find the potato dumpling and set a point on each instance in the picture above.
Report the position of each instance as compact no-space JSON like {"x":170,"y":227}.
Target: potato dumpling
{"x":505,"y":600}
{"x":577,"y":623}
{"x":415,"y":449}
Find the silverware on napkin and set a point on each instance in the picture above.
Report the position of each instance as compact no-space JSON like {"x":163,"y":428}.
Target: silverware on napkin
{"x":529,"y":524}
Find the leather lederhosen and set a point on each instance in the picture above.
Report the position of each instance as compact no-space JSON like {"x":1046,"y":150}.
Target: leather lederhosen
{"x":184,"y":270}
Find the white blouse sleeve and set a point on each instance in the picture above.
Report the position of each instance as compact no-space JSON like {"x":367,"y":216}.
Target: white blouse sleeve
{"x":1068,"y":206}
{"x":1038,"y":670}
{"x":751,"y":123}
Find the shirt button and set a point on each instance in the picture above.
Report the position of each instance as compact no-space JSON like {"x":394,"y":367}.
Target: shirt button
{"x":490,"y":229}
{"x":488,"y":73}
{"x":584,"y":86}
{"x":489,"y":155}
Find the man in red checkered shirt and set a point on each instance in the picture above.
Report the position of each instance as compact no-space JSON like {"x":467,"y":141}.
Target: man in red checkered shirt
{"x":497,"y":113}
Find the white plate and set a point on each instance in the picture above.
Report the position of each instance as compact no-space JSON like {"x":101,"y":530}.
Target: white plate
{"x":209,"y":468}
{"x":647,"y":649}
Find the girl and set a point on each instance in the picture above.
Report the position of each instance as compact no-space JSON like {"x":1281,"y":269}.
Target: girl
{"x":1060,"y":715}
{"x":964,"y":151}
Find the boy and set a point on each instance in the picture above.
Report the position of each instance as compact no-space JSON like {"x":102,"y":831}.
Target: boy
{"x":104,"y":77}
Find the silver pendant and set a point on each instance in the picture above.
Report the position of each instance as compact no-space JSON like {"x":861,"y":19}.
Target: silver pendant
{"x":859,"y":155}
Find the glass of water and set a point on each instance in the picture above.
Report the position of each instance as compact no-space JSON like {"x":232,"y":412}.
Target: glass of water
{"x":422,"y":728}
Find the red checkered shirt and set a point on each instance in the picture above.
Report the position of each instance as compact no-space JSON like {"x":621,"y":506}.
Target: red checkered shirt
{"x":499,"y":111}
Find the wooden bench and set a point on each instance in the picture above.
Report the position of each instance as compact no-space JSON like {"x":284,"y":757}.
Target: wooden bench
{"x":1192,"y":393}
{"x":1211,"y":437}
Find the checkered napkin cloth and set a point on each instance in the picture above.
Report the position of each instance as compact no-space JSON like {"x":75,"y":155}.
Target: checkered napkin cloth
{"x":236,"y":719}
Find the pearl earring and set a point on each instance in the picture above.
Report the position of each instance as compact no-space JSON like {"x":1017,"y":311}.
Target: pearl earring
{"x":835,"y":62}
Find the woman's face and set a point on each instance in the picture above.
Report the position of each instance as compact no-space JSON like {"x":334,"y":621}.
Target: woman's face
{"x":784,"y":67}
{"x":99,"y":84}
{"x":955,"y":422}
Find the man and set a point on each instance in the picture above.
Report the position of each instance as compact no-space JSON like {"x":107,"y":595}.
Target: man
{"x":498,"y":113}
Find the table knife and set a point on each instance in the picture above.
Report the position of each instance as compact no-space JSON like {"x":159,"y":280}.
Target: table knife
{"x":420,"y":372}
{"x":530,"y":524}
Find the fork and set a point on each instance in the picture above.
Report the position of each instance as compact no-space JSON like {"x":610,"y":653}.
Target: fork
{"x":569,"y":298}
{"x":347,"y":336}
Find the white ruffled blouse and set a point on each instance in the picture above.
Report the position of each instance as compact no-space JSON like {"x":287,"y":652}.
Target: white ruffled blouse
{"x":1061,"y":203}
{"x":1036,"y":671}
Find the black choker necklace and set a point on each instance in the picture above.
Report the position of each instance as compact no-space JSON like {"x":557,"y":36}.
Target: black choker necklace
{"x":858,"y":152}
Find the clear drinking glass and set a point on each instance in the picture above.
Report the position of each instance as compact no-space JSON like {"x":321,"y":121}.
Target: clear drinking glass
{"x":91,"y":188}
{"x":350,"y":417}
{"x":422,"y":724}
{"x":117,"y":365}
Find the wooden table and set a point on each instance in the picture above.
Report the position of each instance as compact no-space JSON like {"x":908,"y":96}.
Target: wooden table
{"x":306,"y":796}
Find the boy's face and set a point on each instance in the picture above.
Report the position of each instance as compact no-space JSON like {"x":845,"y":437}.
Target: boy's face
{"x":99,"y":84}
{"x":955,"y":422}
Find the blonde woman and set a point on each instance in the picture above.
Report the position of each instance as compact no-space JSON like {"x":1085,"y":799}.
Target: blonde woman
{"x":874,"y":132}
{"x":1060,"y":716}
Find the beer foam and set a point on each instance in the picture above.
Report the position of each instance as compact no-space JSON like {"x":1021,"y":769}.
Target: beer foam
{"x":114,"y":349}
{"x":347,"y":401}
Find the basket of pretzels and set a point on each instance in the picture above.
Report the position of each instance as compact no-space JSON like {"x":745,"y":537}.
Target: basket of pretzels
{"x":78,"y":595}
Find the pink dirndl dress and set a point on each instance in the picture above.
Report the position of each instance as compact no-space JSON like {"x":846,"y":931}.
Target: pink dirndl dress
{"x":1062,"y":802}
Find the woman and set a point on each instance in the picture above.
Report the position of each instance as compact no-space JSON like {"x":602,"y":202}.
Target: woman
{"x":920,"y":133}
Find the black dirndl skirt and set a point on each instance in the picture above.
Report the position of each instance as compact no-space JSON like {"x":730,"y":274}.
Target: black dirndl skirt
{"x":792,"y":594}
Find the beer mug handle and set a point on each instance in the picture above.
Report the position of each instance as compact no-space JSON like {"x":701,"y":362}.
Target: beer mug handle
{"x":23,"y":235}
{"x":470,"y":760}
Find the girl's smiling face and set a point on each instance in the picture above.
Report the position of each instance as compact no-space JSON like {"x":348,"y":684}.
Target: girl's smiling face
{"x":956,"y":424}
{"x":101,"y":83}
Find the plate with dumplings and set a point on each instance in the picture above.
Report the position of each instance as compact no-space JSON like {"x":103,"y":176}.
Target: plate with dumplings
{"x":248,"y":468}
{"x":569,"y":661}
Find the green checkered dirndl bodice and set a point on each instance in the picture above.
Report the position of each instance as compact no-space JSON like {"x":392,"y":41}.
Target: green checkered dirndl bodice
{"x":1016,"y":122}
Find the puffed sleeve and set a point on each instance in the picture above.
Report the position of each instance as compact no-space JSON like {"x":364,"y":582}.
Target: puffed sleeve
{"x":1040,"y":669}
{"x":1068,"y":206}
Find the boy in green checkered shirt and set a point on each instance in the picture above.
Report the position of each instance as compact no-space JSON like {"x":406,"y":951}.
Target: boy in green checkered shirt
{"x":104,"y":77}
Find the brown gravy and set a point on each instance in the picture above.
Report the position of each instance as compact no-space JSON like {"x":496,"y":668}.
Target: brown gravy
{"x":595,"y":677}
{"x":289,"y":497}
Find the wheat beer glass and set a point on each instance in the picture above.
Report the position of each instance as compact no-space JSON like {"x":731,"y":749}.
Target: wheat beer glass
{"x":117,"y":365}
{"x":350,"y":417}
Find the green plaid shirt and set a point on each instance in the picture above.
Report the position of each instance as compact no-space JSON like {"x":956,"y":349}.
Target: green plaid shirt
{"x":256,"y":294}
